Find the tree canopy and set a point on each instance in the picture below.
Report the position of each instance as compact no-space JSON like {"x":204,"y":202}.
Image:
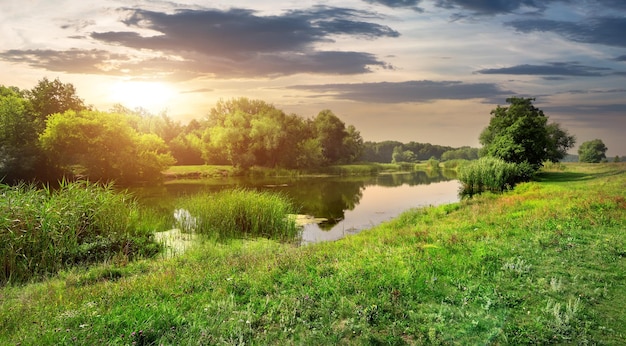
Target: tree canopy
{"x":520,"y":133}
{"x":593,"y":151}
{"x":103,"y":146}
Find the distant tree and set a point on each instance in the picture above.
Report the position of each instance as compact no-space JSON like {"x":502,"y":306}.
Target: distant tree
{"x":330,"y":132}
{"x":243,"y":130}
{"x":464,"y":153}
{"x":339,"y":144}
{"x":616,"y":159}
{"x":379,"y":151}
{"x":592,"y":151}
{"x":520,"y":133}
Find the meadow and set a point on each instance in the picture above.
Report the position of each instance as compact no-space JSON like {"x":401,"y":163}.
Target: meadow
{"x":542,"y":263}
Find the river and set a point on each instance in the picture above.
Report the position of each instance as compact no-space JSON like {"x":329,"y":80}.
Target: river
{"x":347,"y":205}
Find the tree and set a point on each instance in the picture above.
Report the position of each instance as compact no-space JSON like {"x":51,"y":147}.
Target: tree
{"x":49,"y":97}
{"x":593,"y":151}
{"x":20,"y":156}
{"x":520,"y":133}
{"x":103,"y":146}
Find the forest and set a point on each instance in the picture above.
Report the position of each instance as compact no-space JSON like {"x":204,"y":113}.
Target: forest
{"x":49,"y":132}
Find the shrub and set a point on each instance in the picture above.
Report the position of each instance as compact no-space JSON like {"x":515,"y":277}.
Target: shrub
{"x":43,"y":230}
{"x":492,"y":174}
{"x":239,"y":213}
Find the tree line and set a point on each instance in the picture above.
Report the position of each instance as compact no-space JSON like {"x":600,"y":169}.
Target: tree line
{"x":48,"y":132}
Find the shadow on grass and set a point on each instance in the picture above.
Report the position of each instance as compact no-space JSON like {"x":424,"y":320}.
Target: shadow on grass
{"x":563,"y":176}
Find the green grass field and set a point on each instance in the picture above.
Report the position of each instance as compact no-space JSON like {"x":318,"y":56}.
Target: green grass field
{"x":541,"y":264}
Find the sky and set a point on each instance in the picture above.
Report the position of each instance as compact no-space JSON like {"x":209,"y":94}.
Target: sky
{"x":428,"y":71}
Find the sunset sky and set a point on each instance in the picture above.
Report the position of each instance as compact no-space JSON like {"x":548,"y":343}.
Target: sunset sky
{"x":407,"y":70}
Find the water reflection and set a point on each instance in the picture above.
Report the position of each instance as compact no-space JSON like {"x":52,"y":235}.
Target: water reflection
{"x":349,"y":204}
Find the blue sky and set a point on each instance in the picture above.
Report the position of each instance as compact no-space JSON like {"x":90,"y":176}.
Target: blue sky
{"x":408,"y":70}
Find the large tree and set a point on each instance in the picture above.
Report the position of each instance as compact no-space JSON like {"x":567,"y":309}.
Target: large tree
{"x":103,"y":146}
{"x":520,"y":133}
{"x":593,"y":151}
{"x":49,"y":97}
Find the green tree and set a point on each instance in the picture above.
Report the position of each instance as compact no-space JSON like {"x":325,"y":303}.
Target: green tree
{"x":49,"y":97}
{"x":20,"y":156}
{"x":592,"y":151}
{"x":103,"y":146}
{"x":520,"y":133}
{"x":330,"y":132}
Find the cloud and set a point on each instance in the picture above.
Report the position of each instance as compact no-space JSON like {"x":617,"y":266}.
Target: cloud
{"x":74,"y":60}
{"x":409,"y":91}
{"x":240,"y":43}
{"x":597,"y":30}
{"x":551,"y":69}
{"x":411,"y":4}
{"x":493,"y":7}
{"x":621,"y":58}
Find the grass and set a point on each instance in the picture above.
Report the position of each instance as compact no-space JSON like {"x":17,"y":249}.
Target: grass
{"x":212,"y":171}
{"x":43,"y":230}
{"x":541,"y":264}
{"x":238,"y":213}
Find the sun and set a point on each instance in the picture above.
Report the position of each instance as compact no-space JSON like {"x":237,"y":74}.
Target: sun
{"x":152,"y":96}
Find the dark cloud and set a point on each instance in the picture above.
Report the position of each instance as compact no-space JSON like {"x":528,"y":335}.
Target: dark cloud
{"x":411,"y":4}
{"x":492,"y":7}
{"x":224,"y":44}
{"x":73,"y":60}
{"x":599,"y":30}
{"x":621,"y":58}
{"x":238,"y":42}
{"x":551,"y":69}
{"x":410,"y":91}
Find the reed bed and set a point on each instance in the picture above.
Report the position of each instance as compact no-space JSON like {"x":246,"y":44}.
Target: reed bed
{"x":239,"y":213}
{"x":45,"y":230}
{"x":489,"y":174}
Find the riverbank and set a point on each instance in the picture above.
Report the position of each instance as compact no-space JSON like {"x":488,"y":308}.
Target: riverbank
{"x":543,"y":263}
{"x":222,"y":171}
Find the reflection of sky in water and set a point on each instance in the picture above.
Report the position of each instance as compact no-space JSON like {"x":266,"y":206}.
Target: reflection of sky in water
{"x":380,"y":203}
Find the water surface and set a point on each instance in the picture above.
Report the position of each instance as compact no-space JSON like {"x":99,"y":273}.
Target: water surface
{"x":348,"y":204}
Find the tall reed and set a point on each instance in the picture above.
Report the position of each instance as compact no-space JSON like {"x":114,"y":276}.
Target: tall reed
{"x":239,"y":213}
{"x":490,"y":174}
{"x":45,"y":230}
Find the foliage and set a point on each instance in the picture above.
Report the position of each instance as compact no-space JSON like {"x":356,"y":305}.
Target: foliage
{"x":542,"y":264}
{"x":103,"y":146}
{"x":43,"y":230}
{"x":20,"y":156}
{"x":50,"y":97}
{"x":593,"y":151}
{"x":251,"y":132}
{"x":463,"y":153}
{"x":490,"y":174}
{"x":383,"y":152}
{"x":239,"y":213}
{"x":521,"y":133}
{"x":433,"y":164}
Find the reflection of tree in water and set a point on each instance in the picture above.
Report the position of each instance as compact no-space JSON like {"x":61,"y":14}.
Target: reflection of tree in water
{"x":323,"y":197}
{"x":410,"y":178}
{"x":326,"y":197}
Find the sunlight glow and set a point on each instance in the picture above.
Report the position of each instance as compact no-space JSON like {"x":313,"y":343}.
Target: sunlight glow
{"x":152,"y":96}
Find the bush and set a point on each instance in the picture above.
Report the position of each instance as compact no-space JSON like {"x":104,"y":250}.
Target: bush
{"x":43,"y":230}
{"x":492,"y":174}
{"x":239,"y":213}
{"x":454,"y":164}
